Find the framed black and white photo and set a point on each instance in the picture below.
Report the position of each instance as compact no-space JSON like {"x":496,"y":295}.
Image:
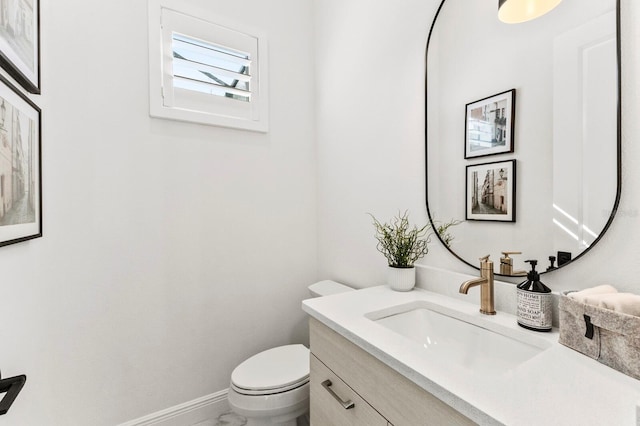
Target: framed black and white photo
{"x":20,"y":166}
{"x":491,"y":191}
{"x":20,"y":41}
{"x":489,"y":125}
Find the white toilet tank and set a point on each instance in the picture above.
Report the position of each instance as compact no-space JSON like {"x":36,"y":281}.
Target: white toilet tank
{"x":327,"y":288}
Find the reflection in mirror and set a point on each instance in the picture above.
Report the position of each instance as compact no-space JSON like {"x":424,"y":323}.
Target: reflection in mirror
{"x":565,"y":138}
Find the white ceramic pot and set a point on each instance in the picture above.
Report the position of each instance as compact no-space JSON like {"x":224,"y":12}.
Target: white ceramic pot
{"x":401,"y":279}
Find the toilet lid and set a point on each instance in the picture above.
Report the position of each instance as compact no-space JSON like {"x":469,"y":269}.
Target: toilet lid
{"x":273,"y":369}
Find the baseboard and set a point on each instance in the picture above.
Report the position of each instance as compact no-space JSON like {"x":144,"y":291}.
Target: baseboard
{"x":206,"y":408}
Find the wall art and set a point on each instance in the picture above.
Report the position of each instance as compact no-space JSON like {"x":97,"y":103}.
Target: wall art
{"x":20,"y":41}
{"x":491,"y":191}
{"x":20,"y":166}
{"x":489,"y":125}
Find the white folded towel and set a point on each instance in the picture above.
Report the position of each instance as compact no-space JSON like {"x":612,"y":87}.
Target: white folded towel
{"x":580,"y":296}
{"x":627,"y":303}
{"x":607,"y":297}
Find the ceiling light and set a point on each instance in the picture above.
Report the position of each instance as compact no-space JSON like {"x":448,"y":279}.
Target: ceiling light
{"x":516,"y":11}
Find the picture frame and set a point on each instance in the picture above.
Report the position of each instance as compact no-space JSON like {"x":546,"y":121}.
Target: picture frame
{"x":491,"y":191}
{"x":20,"y":166}
{"x":489,"y":125}
{"x":20,"y":42}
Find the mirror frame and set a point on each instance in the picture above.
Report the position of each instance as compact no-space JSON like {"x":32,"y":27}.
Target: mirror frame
{"x":616,"y":203}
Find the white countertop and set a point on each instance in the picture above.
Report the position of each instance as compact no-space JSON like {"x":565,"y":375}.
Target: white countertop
{"x":559,"y":386}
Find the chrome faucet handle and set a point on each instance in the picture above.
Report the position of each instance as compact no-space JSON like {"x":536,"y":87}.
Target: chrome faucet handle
{"x":484,"y":259}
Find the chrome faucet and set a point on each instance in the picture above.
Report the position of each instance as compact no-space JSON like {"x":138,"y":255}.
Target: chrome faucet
{"x":486,"y":286}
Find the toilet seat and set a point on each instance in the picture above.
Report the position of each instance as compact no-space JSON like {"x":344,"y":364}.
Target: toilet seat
{"x":272,"y":371}
{"x":266,"y":392}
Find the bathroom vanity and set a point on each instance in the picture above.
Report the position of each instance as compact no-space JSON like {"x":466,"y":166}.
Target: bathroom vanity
{"x":420,"y":358}
{"x":379,"y":395}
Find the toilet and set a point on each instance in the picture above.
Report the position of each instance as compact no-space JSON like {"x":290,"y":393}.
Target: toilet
{"x":272,"y":387}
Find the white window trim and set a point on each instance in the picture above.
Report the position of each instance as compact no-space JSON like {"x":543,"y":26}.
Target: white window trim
{"x":258,"y":122}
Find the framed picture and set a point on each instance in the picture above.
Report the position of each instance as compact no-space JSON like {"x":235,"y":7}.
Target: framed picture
{"x":489,"y":125}
{"x":490,"y":192}
{"x":20,"y":41}
{"x":20,"y":166}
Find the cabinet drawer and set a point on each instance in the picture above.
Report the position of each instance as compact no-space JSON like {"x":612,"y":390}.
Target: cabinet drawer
{"x":326,"y":409}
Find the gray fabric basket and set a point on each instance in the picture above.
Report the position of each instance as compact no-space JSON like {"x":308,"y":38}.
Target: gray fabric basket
{"x":610,"y":337}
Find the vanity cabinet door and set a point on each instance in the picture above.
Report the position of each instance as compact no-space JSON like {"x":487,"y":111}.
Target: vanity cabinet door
{"x":328,"y":401}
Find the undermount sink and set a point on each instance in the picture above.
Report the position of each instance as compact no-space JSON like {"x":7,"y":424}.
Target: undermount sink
{"x":459,"y":340}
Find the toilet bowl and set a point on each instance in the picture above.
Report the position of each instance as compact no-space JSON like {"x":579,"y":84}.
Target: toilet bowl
{"x":272,"y":387}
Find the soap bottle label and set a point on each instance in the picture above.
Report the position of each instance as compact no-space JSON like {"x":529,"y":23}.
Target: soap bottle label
{"x":534,"y":310}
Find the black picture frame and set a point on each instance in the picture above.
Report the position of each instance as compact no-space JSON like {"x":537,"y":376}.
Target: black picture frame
{"x":489,"y":125}
{"x":20,"y":42}
{"x":20,"y":166}
{"x":490,"y":193}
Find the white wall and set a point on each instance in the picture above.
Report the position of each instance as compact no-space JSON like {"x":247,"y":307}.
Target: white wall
{"x":171,"y":251}
{"x":370,"y":126}
{"x":371,"y":142}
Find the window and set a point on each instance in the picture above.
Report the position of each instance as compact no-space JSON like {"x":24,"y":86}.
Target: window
{"x":208,"y":68}
{"x":204,"y":72}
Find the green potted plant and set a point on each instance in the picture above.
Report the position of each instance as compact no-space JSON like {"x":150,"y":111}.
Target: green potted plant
{"x":403,"y":245}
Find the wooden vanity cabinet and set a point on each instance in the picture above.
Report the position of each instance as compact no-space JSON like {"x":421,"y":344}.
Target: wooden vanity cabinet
{"x":380,"y":395}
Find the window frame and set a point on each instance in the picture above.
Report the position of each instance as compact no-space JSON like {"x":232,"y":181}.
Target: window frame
{"x":191,"y":106}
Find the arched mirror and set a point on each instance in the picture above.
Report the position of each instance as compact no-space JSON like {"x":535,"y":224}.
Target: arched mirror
{"x":523,"y":129}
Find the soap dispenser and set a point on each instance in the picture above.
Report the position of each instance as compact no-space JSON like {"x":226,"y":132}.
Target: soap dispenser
{"x":534,"y":302}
